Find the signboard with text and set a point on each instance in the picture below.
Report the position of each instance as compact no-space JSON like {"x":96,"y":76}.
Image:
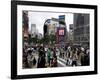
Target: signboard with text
{"x":61,"y":33}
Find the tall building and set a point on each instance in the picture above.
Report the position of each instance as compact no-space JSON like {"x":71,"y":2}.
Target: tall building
{"x":50,"y":26}
{"x":45,"y":28}
{"x":56,"y":27}
{"x":25,"y":25}
{"x":81,"y":29}
{"x":70,"y":33}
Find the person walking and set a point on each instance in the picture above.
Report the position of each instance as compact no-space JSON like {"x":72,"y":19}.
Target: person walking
{"x":82,"y":57}
{"x":30,"y":59}
{"x":49,"y":55}
{"x":55,"y":61}
{"x":86,"y":57}
{"x":74,"y":58}
{"x":41,"y":59}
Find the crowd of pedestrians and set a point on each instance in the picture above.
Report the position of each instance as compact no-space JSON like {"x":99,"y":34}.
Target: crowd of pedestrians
{"x":48,"y":56}
{"x":77,"y":56}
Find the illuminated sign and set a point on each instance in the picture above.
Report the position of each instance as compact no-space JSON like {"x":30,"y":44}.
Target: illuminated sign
{"x":61,"y":32}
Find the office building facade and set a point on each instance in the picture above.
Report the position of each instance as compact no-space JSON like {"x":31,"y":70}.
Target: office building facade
{"x":81,"y":29}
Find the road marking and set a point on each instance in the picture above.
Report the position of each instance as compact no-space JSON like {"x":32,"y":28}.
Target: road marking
{"x":62,"y":59}
{"x":61,"y":63}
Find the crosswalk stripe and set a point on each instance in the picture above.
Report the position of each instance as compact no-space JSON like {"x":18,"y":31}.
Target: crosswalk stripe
{"x":64,"y":65}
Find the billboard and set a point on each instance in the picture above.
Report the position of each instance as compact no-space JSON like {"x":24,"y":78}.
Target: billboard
{"x":61,"y":34}
{"x":62,"y":18}
{"x":61,"y":31}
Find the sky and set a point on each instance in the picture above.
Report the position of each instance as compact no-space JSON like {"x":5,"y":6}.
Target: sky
{"x":39,"y":18}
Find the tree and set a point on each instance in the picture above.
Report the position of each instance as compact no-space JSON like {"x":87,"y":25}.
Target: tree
{"x":46,"y":39}
{"x":33,"y":39}
{"x":52,"y":38}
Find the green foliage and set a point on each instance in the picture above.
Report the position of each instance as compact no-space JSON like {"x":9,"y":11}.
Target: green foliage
{"x":52,"y":38}
{"x":47,"y":39}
